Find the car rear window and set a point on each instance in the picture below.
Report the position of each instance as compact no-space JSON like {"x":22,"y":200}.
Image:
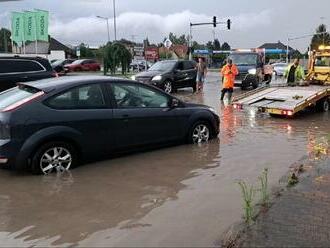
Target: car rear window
{"x":19,"y":66}
{"x":16,"y":94}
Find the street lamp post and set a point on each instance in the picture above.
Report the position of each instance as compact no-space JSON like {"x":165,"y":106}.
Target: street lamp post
{"x":107,"y":19}
{"x":114,"y":18}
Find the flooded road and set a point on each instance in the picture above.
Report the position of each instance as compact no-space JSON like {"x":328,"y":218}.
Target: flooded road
{"x":180,"y":196}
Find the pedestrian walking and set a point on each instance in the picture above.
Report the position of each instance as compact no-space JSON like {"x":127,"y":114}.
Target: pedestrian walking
{"x":294,"y":73}
{"x":201,"y":74}
{"x":229,"y":73}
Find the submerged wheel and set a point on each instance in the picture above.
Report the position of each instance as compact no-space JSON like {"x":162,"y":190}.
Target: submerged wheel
{"x":53,"y":156}
{"x":199,"y":133}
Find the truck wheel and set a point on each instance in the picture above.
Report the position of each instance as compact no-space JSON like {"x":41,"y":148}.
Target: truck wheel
{"x":323,"y":105}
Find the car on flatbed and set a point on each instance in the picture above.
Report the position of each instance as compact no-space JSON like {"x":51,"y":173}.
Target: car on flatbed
{"x":14,"y":69}
{"x":51,"y":125}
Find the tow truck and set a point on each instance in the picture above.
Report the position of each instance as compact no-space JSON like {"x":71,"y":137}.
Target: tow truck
{"x":283,"y":100}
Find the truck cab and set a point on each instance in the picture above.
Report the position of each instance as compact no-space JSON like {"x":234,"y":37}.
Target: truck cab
{"x":250,"y":66}
{"x":319,"y":66}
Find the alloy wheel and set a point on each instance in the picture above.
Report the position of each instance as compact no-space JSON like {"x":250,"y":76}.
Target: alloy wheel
{"x":200,"y":134}
{"x":55,"y":158}
{"x":168,"y":87}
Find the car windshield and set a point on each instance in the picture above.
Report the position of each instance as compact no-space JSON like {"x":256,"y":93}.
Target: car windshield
{"x":244,"y":59}
{"x":16,"y":94}
{"x":163,"y":66}
{"x":322,"y":61}
{"x":77,"y":62}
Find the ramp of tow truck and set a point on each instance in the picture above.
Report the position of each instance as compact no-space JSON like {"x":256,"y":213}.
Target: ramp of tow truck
{"x":275,"y":100}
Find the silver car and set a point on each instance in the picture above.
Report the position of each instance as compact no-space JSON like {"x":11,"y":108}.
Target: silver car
{"x":279,"y":68}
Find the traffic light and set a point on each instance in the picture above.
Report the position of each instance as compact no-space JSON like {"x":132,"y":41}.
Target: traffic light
{"x":228,"y":24}
{"x":214,"y":21}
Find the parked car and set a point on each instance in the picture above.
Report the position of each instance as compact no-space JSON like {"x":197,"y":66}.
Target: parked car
{"x":50,"y":125}
{"x":16,"y":69}
{"x":170,"y":75}
{"x":279,"y":68}
{"x":58,"y":65}
{"x":83,"y":65}
{"x":139,"y":66}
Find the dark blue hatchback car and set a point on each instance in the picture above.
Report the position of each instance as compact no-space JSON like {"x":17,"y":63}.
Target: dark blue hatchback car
{"x":53,"y":124}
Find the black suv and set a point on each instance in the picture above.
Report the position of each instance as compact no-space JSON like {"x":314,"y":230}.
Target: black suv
{"x":22,"y":69}
{"x":170,"y":75}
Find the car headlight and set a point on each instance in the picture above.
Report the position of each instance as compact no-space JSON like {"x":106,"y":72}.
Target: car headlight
{"x":157,"y":78}
{"x":252,"y":71}
{"x":133,"y":78}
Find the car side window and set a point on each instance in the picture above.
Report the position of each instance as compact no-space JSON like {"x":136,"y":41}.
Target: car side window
{"x":83,"y":97}
{"x":137,"y":96}
{"x":20,"y":66}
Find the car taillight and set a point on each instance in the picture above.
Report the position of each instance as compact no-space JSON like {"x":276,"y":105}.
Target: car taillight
{"x":23,"y":101}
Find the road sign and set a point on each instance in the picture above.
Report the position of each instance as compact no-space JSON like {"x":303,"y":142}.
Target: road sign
{"x":168,"y":43}
{"x":138,"y":52}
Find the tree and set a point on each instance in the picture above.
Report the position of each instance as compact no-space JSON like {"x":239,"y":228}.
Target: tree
{"x":181,"y":40}
{"x":225,"y":47}
{"x":86,"y":52}
{"x":116,"y":55}
{"x":5,"y":42}
{"x":210,"y":45}
{"x":321,"y":37}
{"x":216,"y":44}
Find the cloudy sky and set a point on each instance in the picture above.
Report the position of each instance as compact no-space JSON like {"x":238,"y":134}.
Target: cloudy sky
{"x":254,"y":21}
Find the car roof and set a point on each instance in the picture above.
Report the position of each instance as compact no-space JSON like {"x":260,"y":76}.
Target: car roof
{"x":51,"y":84}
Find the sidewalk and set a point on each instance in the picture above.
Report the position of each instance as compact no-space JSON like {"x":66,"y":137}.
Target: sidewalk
{"x":300,"y":217}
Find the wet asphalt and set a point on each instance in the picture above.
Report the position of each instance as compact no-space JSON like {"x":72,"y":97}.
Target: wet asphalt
{"x":180,"y":196}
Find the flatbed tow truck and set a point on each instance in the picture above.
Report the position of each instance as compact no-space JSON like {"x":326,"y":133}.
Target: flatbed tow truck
{"x":283,"y":100}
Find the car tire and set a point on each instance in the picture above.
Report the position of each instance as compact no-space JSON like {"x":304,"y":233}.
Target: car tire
{"x":194,"y":87}
{"x":42,"y":159}
{"x":323,"y":105}
{"x":168,"y":87}
{"x":200,"y":132}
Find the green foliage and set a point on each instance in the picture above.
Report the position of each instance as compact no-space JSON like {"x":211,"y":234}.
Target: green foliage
{"x":116,"y":54}
{"x":248,"y":193}
{"x":216,"y":44}
{"x":225,"y":47}
{"x":322,"y":37}
{"x":178,"y":40}
{"x":263,"y":179}
{"x":86,"y":52}
{"x":5,"y":42}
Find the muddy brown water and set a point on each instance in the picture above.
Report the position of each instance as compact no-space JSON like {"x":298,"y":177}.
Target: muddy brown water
{"x":179,"y":196}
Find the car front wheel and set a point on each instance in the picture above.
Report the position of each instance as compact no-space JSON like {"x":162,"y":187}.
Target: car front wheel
{"x":53,"y":156}
{"x":168,"y":88}
{"x":199,"y":133}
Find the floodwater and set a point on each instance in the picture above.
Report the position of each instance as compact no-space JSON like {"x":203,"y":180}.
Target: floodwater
{"x":180,"y":196}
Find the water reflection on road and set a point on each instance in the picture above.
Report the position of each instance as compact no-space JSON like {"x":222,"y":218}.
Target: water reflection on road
{"x":179,"y":196}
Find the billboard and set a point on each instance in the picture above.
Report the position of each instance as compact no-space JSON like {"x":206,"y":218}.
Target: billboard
{"x":152,"y":53}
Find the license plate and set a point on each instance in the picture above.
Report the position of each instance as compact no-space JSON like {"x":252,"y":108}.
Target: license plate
{"x":274,"y":111}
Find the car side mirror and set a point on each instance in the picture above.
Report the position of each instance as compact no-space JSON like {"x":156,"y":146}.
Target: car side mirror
{"x":174,"y":103}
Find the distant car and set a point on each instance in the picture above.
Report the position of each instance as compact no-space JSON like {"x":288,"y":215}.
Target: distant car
{"x":139,"y":66}
{"x":16,"y":69}
{"x":48,"y":125}
{"x":58,"y":65}
{"x":170,"y":75}
{"x":83,"y":65}
{"x":279,"y":68}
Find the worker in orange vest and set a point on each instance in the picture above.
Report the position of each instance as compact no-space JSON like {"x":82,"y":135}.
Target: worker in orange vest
{"x":229,"y":72}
